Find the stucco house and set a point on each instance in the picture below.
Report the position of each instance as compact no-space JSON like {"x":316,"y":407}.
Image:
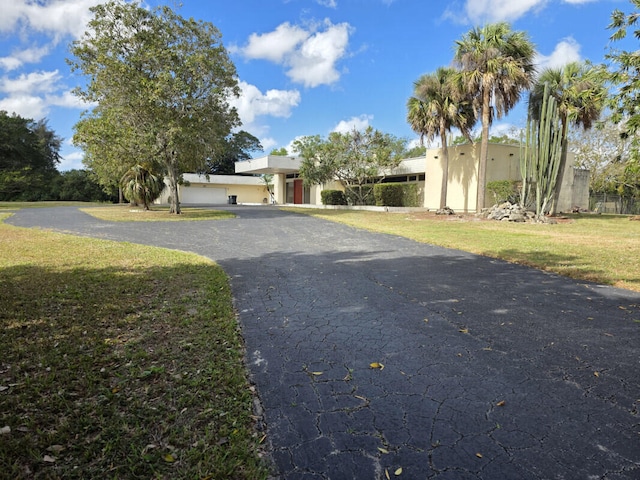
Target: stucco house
{"x":288,"y":188}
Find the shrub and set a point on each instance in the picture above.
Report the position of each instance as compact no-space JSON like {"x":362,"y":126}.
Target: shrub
{"x":503,"y":191}
{"x":360,"y":195}
{"x":333,"y":197}
{"x":389,"y":194}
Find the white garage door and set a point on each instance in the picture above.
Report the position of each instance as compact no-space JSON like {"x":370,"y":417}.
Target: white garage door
{"x":203,"y":195}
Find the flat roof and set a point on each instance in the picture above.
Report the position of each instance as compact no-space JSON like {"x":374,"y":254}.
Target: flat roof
{"x":269,"y":164}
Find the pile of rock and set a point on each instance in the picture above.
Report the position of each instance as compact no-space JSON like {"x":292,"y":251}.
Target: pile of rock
{"x":509,"y":212}
{"x":445,"y":211}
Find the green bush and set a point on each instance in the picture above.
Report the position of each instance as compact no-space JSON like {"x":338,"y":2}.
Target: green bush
{"x":410,"y":196}
{"x":504,"y":191}
{"x":397,"y":195}
{"x":333,"y":197}
{"x":360,"y":195}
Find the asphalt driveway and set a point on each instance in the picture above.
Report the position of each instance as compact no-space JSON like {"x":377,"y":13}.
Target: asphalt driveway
{"x":491,"y":370}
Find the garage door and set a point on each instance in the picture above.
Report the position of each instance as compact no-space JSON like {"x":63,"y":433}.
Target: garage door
{"x":203,"y":195}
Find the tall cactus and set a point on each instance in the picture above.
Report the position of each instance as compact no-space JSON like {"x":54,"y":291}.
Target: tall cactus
{"x":540,"y":155}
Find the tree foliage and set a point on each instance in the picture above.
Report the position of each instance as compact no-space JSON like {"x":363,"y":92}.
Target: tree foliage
{"x":624,"y":73}
{"x":279,"y":151}
{"x":161,"y":84}
{"x":606,"y":154}
{"x":79,"y":186}
{"x":356,"y":159}
{"x":496,"y":67}
{"x":142,"y":186}
{"x":29,"y":155}
{"x":236,"y":148}
{"x":439,"y":104}
{"x":580,"y":95}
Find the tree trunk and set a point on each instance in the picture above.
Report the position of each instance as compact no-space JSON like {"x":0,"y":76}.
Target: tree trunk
{"x":445,"y":165}
{"x":484,"y":149}
{"x":174,"y":206}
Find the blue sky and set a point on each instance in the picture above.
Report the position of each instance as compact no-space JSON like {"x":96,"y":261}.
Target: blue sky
{"x":305,"y":67}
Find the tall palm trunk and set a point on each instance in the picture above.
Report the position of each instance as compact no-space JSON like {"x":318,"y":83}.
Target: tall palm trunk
{"x":445,"y":164}
{"x":484,"y":149}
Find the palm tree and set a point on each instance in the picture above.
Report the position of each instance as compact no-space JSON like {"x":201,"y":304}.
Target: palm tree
{"x":437,"y":106}
{"x":497,"y":66}
{"x":140,"y":185}
{"x":580,"y":95}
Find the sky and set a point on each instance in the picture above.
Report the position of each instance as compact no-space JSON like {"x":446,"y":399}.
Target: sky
{"x":305,"y":67}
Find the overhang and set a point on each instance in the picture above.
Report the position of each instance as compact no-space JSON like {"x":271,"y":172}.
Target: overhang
{"x":269,"y":164}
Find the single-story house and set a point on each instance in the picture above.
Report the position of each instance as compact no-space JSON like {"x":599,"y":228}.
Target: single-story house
{"x":288,"y":188}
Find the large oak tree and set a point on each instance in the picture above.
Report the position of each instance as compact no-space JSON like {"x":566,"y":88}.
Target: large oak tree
{"x":162,"y":85}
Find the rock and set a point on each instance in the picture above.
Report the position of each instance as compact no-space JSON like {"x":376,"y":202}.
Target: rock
{"x":508,"y":212}
{"x":445,"y":211}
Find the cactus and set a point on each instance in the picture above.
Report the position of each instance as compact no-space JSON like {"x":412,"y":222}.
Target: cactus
{"x":540,"y":155}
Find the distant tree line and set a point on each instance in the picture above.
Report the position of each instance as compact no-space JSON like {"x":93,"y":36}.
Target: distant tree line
{"x":29,"y":159}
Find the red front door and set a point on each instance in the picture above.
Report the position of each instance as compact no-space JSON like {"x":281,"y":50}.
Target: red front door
{"x":297,"y":191}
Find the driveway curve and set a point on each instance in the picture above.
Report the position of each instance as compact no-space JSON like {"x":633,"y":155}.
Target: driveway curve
{"x":485,"y":370}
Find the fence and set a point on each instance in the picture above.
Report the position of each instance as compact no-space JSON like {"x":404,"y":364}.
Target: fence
{"x":609,"y":203}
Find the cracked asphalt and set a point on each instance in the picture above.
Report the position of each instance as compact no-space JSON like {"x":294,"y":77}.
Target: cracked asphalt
{"x":491,"y":370}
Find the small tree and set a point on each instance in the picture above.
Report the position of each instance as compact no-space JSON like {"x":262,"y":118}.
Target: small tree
{"x":356,"y":159}
{"x":267,"y":179}
{"x":142,"y":186}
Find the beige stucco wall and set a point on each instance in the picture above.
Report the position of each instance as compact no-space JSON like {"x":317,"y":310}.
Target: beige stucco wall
{"x":503,"y":163}
{"x":462,"y":184}
{"x":247,"y":189}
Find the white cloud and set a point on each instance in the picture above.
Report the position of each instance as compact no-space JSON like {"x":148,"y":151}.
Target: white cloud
{"x":482,"y":11}
{"x":71,"y":161}
{"x":34,"y":82}
{"x":310,"y":56}
{"x":275,"y":46}
{"x":327,"y":3}
{"x":31,"y":95}
{"x":27,"y":106}
{"x":253,"y":103}
{"x":58,"y":18}
{"x":268,"y":144}
{"x":20,"y":57}
{"x":354,"y":123}
{"x":566,"y":51}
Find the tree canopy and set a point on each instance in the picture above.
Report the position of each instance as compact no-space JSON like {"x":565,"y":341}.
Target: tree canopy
{"x":355,"y":159}
{"x":439,"y":104}
{"x":579,"y":92}
{"x":496,"y":66}
{"x":29,"y":155}
{"x":162,"y":85}
{"x":279,"y":151}
{"x":624,"y":73}
{"x":236,"y":148}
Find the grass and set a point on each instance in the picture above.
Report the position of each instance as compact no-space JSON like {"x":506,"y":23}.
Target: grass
{"x":119,"y":361}
{"x":18,"y":205}
{"x":125,"y":213}
{"x":598,"y":248}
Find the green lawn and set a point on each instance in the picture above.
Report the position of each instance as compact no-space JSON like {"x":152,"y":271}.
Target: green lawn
{"x":126,"y":213}
{"x":599,"y":248}
{"x":119,"y":361}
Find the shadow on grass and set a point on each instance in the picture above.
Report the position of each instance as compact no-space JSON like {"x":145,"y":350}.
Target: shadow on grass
{"x":123,"y":373}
